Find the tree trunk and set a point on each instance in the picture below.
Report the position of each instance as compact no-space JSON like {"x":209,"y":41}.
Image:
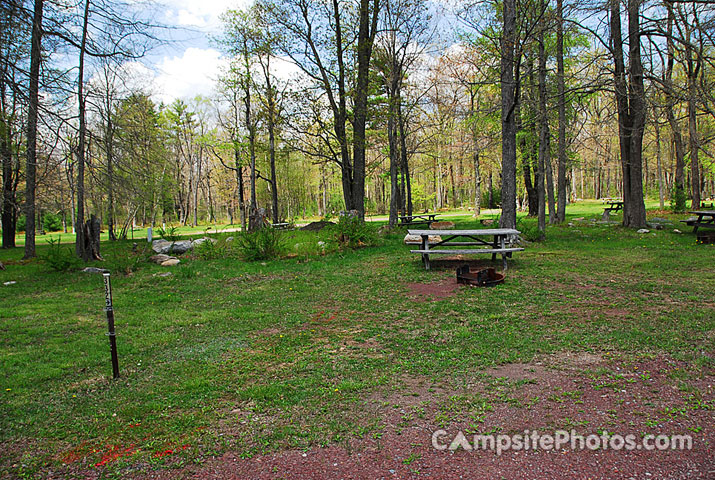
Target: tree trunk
{"x":661,"y":189}
{"x":33,"y":104}
{"x":82,"y":244}
{"x":544,"y":143}
{"x":560,"y":84}
{"x":366,"y":34}
{"x":406,"y":196}
{"x":693,"y":72}
{"x":8,"y":192}
{"x":630,"y":100}
{"x":508,"y":119}
{"x":395,"y":198}
{"x":670,"y":101}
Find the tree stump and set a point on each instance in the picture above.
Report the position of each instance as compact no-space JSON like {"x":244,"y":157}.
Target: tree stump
{"x":256,"y":219}
{"x":89,"y":245}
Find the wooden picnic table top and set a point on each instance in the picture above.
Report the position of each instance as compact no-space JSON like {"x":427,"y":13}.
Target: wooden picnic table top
{"x":704,"y":213}
{"x":475,"y":232}
{"x":420,"y":215}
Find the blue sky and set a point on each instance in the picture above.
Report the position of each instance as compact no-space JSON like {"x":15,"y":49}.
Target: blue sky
{"x":190,"y":64}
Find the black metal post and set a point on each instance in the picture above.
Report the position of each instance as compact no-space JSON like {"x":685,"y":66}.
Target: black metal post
{"x":110,"y":324}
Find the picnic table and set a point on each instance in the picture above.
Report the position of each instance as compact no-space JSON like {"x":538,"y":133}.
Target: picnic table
{"x":613,"y":206}
{"x":426,"y":218}
{"x":706,"y":218}
{"x":494,"y":243}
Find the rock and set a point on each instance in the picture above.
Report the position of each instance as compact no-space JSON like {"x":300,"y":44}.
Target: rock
{"x":579,"y":219}
{"x":178,"y":247}
{"x":163,"y":274}
{"x":441,"y":225}
{"x":12,"y":282}
{"x":160,"y":258}
{"x":675,"y":230}
{"x":160,"y":246}
{"x":643,"y":230}
{"x":199,"y":241}
{"x":94,"y":270}
{"x":182,"y":246}
{"x":570,"y":224}
{"x":171,"y":262}
{"x":229,"y":239}
{"x":417,"y":240}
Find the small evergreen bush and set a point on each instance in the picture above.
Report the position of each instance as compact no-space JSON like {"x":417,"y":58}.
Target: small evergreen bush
{"x":263,"y":244}
{"x":353,"y":232}
{"x":59,"y":258}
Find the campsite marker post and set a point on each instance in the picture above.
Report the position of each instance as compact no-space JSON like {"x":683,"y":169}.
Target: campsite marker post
{"x":110,"y":323}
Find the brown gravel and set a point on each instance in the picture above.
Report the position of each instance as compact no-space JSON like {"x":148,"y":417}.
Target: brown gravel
{"x":586,"y":392}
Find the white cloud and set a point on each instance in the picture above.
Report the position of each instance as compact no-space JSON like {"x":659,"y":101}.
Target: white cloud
{"x":194,"y":73}
{"x":202,"y":14}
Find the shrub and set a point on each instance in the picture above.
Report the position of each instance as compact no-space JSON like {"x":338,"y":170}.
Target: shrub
{"x":59,"y":258}
{"x":678,"y":199}
{"x":263,"y":244}
{"x":496,"y":197}
{"x":530,"y":231}
{"x":211,"y":249}
{"x":170,"y":234}
{"x":353,"y":232}
{"x":21,"y":223}
{"x":122,"y":262}
{"x":51,"y":222}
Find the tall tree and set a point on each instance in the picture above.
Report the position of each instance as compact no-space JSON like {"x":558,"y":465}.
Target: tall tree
{"x":509,"y":95}
{"x":320,"y":39}
{"x":630,"y":101}
{"x":561,"y":102}
{"x":32,"y":114}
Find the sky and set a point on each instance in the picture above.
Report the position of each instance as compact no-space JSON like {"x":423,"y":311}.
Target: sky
{"x":190,"y":65}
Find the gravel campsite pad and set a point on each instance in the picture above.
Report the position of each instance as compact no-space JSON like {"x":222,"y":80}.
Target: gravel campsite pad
{"x":599,"y":394}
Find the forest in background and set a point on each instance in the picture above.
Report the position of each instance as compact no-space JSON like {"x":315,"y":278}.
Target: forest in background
{"x":392,"y":107}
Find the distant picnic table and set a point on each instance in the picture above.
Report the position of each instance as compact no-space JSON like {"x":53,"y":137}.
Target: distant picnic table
{"x":496,"y":242}
{"x":706,"y":219}
{"x":423,"y":219}
{"x":613,"y":206}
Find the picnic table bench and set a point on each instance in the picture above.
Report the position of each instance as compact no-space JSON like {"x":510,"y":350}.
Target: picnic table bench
{"x":424,"y":219}
{"x":706,"y":219}
{"x":496,"y":242}
{"x":613,"y":206}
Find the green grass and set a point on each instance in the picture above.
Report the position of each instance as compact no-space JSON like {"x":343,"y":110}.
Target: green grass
{"x":255,"y":356}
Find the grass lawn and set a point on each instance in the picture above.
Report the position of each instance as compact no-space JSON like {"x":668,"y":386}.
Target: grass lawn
{"x":257,"y":356}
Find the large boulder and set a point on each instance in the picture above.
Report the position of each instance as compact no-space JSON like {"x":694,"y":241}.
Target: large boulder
{"x":161,"y":246}
{"x":417,"y":239}
{"x":165,"y":247}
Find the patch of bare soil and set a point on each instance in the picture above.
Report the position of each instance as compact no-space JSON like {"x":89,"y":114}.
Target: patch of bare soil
{"x":585,"y":392}
{"x":433,"y":291}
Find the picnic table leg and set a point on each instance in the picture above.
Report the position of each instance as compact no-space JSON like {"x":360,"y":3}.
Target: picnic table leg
{"x":695,"y":227}
{"x":502,"y":245}
{"x":425,"y":246}
{"x":496,"y":245}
